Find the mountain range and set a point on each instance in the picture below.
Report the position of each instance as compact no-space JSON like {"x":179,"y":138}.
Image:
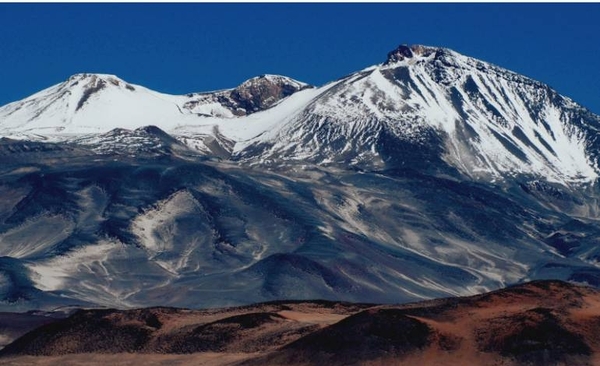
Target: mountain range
{"x":431,"y":174}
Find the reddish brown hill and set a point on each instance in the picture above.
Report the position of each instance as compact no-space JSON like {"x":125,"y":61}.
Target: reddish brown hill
{"x":539,"y":323}
{"x":255,"y":328}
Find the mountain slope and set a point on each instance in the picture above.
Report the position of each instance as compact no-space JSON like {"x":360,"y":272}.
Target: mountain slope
{"x":116,"y":230}
{"x":483,"y":120}
{"x":429,"y":175}
{"x":88,"y":103}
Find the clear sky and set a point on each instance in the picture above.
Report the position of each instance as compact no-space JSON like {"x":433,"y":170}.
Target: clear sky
{"x":181,"y":48}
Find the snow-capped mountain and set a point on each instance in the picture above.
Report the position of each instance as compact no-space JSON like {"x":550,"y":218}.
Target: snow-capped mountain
{"x":88,"y":103}
{"x":97,"y":103}
{"x":483,"y":120}
{"x":430,"y":174}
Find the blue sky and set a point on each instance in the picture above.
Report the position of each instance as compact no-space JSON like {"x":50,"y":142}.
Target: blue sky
{"x":181,"y":48}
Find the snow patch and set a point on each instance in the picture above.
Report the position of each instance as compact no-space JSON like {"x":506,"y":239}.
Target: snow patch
{"x":55,"y":273}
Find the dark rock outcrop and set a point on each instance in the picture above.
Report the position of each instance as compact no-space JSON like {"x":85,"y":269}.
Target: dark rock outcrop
{"x":253,"y":95}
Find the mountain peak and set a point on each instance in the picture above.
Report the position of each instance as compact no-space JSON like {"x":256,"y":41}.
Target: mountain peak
{"x":404,"y":52}
{"x":261,"y":92}
{"x":401,"y":53}
{"x":274,"y":80}
{"x":87,"y":75}
{"x":96,"y":82}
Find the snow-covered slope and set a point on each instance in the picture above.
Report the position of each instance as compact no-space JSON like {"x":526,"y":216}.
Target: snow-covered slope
{"x":88,"y":103}
{"x":489,"y":122}
{"x":148,"y":140}
{"x":97,"y":103}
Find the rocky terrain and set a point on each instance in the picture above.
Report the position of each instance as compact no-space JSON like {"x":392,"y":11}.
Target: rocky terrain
{"x":537,"y":323}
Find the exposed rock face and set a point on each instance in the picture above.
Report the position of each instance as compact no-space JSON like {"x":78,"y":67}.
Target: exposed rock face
{"x":253,"y":95}
{"x":399,"y":54}
{"x":262,"y":92}
{"x":404,"y":52}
